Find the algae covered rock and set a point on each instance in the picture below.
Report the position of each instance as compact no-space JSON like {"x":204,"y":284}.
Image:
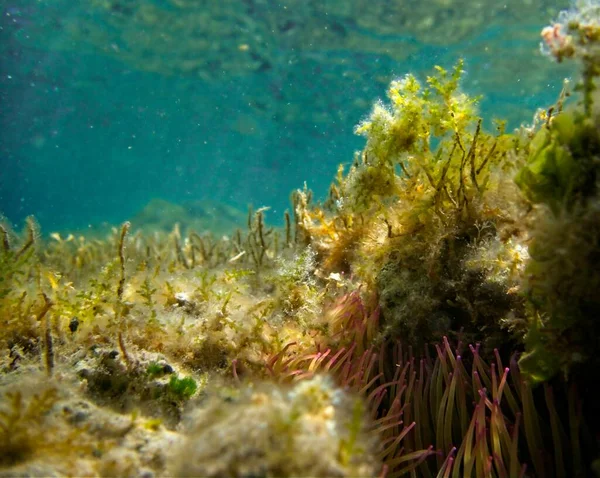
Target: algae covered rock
{"x":310,"y":429}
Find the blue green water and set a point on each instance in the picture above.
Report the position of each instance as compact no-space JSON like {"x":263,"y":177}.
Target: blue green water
{"x":105,"y":106}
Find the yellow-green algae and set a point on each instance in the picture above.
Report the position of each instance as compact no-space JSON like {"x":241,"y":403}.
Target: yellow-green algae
{"x":304,"y":351}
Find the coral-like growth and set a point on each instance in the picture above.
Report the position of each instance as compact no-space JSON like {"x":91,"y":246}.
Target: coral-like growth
{"x":482,"y":417}
{"x":478,"y":418}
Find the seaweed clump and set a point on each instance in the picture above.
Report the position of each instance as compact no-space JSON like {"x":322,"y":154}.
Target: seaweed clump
{"x":561,"y":179}
{"x":428,"y":215}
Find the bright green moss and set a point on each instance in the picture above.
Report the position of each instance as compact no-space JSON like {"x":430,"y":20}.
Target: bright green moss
{"x":182,"y":388}
{"x":154,"y":369}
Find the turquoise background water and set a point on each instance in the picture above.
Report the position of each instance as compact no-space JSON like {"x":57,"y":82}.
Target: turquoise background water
{"x":98,"y":117}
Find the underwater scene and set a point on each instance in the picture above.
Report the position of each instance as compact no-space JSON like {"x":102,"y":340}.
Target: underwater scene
{"x":304,"y":238}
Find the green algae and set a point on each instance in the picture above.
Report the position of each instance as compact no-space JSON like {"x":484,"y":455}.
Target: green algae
{"x":182,"y":388}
